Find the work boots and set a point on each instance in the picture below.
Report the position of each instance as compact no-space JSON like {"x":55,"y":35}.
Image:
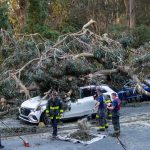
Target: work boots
{"x":100,"y":129}
{"x":54,"y":137}
{"x":115,"y":134}
{"x":106,"y":126}
{"x":1,"y":146}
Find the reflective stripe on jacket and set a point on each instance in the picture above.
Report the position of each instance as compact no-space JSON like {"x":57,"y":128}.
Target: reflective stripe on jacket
{"x":54,"y":108}
{"x":107,"y":101}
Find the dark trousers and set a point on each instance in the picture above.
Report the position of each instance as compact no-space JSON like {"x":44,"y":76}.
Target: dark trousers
{"x":116,"y":124}
{"x":102,"y":117}
{"x":109,"y":114}
{"x":0,"y":140}
{"x":54,"y":123}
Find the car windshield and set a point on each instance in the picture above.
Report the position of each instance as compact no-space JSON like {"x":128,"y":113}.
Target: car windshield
{"x":86,"y":92}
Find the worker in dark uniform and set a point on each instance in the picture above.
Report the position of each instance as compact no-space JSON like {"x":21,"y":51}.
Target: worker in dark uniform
{"x":101,"y":111}
{"x":1,"y":146}
{"x":1,"y":104}
{"x":54,"y":111}
{"x":115,"y":107}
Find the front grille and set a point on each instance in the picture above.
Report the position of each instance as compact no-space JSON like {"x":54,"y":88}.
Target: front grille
{"x":25,"y":111}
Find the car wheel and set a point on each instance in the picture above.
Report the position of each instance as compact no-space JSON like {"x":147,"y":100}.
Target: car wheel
{"x":138,"y":98}
{"x":93,"y":116}
{"x":124,"y":102}
{"x":128,"y":93}
{"x":133,"y":99}
{"x":44,"y":118}
{"x":129,"y":100}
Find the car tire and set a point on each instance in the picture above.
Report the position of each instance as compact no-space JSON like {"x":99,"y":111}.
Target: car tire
{"x":133,"y":99}
{"x":93,"y":116}
{"x":44,"y":118}
{"x":129,"y":100}
{"x":138,"y":99}
{"x":128,"y":93}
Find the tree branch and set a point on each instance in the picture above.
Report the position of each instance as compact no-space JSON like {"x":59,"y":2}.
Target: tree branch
{"x":18,"y":82}
{"x":88,"y":24}
{"x":83,"y":55}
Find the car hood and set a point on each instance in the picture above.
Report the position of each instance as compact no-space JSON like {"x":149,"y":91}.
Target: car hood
{"x":33,"y":102}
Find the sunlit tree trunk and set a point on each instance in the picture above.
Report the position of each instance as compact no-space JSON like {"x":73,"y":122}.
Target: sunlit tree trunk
{"x":23,"y":13}
{"x":126,"y":3}
{"x":132,"y":13}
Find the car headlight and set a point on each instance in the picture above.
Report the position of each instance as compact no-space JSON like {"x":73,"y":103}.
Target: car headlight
{"x":33,"y":117}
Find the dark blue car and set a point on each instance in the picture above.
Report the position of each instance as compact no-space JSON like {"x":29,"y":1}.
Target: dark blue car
{"x":129,"y":94}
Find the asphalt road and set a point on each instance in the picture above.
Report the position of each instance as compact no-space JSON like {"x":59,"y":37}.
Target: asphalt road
{"x":135,"y":135}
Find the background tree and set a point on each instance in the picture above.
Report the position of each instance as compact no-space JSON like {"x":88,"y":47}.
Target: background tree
{"x":4,"y":24}
{"x":132,"y":13}
{"x":37,"y":14}
{"x":18,"y":14}
{"x":4,"y":19}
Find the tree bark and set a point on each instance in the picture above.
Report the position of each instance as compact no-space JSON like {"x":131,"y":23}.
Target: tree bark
{"x":132,"y":13}
{"x":22,"y":87}
{"x":126,"y":3}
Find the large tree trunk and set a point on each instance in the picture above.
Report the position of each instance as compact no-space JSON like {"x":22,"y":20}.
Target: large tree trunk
{"x":126,"y":3}
{"x":132,"y":13}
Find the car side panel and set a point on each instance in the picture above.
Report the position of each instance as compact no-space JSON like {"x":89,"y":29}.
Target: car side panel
{"x":81,"y":108}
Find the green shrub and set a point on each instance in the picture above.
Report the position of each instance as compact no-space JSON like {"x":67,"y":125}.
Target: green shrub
{"x":67,"y":29}
{"x":51,"y":34}
{"x":116,"y":30}
{"x":136,"y":37}
{"x":141,"y":35}
{"x":45,"y":31}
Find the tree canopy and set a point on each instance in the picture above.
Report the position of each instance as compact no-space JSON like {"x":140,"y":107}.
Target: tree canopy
{"x":52,"y":44}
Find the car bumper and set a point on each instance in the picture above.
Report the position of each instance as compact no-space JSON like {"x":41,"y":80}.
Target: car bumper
{"x":27,"y":119}
{"x":30,"y":117}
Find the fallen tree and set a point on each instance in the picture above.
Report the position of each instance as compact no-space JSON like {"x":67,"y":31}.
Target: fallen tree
{"x":74,"y":60}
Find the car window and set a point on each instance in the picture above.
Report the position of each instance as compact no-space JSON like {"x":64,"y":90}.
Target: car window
{"x":107,"y":97}
{"x":103,"y":91}
{"x":86,"y":92}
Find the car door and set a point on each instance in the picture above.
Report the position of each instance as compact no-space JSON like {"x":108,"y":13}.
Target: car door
{"x":81,"y":107}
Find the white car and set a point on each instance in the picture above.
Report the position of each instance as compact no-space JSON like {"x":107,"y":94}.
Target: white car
{"x":33,"y":110}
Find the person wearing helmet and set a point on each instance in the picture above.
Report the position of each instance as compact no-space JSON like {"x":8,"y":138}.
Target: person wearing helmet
{"x":54,"y":111}
{"x":101,"y":111}
{"x":115,"y":108}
